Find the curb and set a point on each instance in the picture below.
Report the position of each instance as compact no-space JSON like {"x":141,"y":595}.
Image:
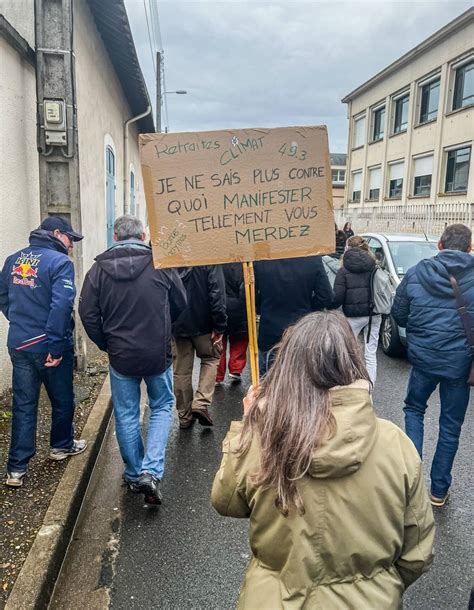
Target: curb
{"x":35,"y":583}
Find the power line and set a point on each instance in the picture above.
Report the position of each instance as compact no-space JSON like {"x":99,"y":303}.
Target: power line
{"x":149,"y":38}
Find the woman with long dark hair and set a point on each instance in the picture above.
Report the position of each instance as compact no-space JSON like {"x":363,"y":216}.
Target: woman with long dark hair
{"x":348,"y":230}
{"x":339,"y":514}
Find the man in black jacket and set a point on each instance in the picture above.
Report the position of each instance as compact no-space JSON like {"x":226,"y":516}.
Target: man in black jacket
{"x":127,"y":308}
{"x":287,"y":290}
{"x":199,"y":331}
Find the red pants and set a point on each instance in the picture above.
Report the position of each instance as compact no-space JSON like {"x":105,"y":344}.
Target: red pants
{"x":237,"y":357}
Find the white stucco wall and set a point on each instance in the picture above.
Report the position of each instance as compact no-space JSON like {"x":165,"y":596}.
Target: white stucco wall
{"x":102,"y":111}
{"x":19,"y":174}
{"x":21,"y":15}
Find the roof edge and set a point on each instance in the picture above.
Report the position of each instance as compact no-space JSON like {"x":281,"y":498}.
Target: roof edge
{"x":113,"y":25}
{"x":439,"y":35}
{"x":16,"y":40}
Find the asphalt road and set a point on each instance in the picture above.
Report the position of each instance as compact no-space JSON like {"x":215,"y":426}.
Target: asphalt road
{"x":183,"y":555}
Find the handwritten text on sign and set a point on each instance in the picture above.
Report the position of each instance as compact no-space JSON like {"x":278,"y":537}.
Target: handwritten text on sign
{"x":241,"y":195}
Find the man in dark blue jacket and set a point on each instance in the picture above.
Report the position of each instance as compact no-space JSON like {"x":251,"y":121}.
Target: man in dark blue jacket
{"x":287,"y":290}
{"x":37,"y":295}
{"x":438,"y":348}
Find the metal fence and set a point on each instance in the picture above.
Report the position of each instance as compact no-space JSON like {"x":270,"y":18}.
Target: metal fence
{"x":430,"y":218}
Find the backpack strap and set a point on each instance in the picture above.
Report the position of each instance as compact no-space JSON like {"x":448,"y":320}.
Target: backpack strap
{"x":462,"y":311}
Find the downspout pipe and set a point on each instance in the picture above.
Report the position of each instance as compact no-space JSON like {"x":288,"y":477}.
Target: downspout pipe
{"x":126,"y":200}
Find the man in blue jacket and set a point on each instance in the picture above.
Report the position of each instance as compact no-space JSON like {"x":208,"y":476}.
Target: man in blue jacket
{"x":36,"y":296}
{"x":438,"y":348}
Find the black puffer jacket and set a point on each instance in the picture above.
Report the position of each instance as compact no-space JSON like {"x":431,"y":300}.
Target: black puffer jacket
{"x":235,"y":297}
{"x":206,"y":311}
{"x":352,"y":283}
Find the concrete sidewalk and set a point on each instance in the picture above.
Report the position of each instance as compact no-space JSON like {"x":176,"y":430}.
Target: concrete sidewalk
{"x":35,"y":583}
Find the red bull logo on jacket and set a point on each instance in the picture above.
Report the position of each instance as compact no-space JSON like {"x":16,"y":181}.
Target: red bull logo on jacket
{"x":25,"y":269}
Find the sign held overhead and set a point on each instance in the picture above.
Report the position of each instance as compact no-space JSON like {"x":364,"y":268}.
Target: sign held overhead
{"x":238,"y":195}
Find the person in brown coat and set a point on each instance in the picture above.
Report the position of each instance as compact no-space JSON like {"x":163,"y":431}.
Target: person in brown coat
{"x":339,"y":514}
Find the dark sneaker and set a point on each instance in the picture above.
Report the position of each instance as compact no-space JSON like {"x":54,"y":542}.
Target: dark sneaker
{"x":61,"y":454}
{"x":236,"y":377}
{"x":132,"y":485}
{"x":15,"y":479}
{"x":150,"y":487}
{"x":439,"y":502}
{"x":203,"y":416}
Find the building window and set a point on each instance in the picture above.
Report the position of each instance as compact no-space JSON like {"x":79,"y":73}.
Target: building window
{"x":395,"y":186}
{"x":374,"y":183}
{"x":423,"y":171}
{"x":133,"y":208}
{"x":338,"y":176}
{"x":401,"y":114}
{"x":429,"y":101}
{"x":359,"y":132}
{"x":464,"y":86}
{"x":356,"y":186}
{"x":457,"y":170}
{"x":378,"y":124}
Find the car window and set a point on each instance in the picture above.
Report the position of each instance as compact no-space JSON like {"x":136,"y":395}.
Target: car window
{"x":407,"y":254}
{"x":377,"y":250}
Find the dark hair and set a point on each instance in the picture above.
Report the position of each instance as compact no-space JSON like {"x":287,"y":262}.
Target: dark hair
{"x":291,"y":412}
{"x":456,"y":237}
{"x":346,"y":226}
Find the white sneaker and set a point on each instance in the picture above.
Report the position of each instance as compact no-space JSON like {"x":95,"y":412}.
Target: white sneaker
{"x":61,"y":454}
{"x":15,"y":479}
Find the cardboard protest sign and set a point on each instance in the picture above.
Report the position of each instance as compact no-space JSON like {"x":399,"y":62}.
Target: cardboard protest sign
{"x":238,"y":195}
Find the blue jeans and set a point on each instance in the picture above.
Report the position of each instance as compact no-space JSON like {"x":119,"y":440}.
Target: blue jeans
{"x":454,"y":394}
{"x":126,"y":402}
{"x":29,"y":373}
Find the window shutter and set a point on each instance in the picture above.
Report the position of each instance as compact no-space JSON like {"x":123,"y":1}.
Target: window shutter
{"x":424,"y":166}
{"x":396,"y":171}
{"x":356,"y":181}
{"x":374,"y":180}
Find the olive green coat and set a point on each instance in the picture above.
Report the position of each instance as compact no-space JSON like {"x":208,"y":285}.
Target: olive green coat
{"x":368,"y":529}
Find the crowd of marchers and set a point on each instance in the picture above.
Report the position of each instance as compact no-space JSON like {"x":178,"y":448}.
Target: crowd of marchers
{"x":310,"y":461}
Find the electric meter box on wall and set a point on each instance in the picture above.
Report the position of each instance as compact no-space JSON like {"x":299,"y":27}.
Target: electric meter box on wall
{"x":55,"y":122}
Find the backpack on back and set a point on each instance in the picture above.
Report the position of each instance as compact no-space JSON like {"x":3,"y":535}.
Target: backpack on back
{"x":382,"y":292}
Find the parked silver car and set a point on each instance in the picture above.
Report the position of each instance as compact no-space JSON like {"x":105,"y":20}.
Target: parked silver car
{"x":396,"y":254}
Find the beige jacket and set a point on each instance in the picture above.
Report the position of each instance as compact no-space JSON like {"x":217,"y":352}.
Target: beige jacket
{"x":368,"y":529}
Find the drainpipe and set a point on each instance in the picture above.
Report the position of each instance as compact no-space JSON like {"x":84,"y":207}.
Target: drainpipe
{"x":126,"y":200}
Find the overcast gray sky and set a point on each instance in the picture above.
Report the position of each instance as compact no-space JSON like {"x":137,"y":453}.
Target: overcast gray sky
{"x":276,"y":64}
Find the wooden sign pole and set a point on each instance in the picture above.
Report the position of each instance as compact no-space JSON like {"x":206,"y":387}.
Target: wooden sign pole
{"x":249,"y":281}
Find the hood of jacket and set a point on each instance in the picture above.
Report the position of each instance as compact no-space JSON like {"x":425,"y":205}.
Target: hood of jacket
{"x":45,"y":239}
{"x":355,"y":435}
{"x":125,"y":262}
{"x":357,"y":260}
{"x":434,"y":273}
